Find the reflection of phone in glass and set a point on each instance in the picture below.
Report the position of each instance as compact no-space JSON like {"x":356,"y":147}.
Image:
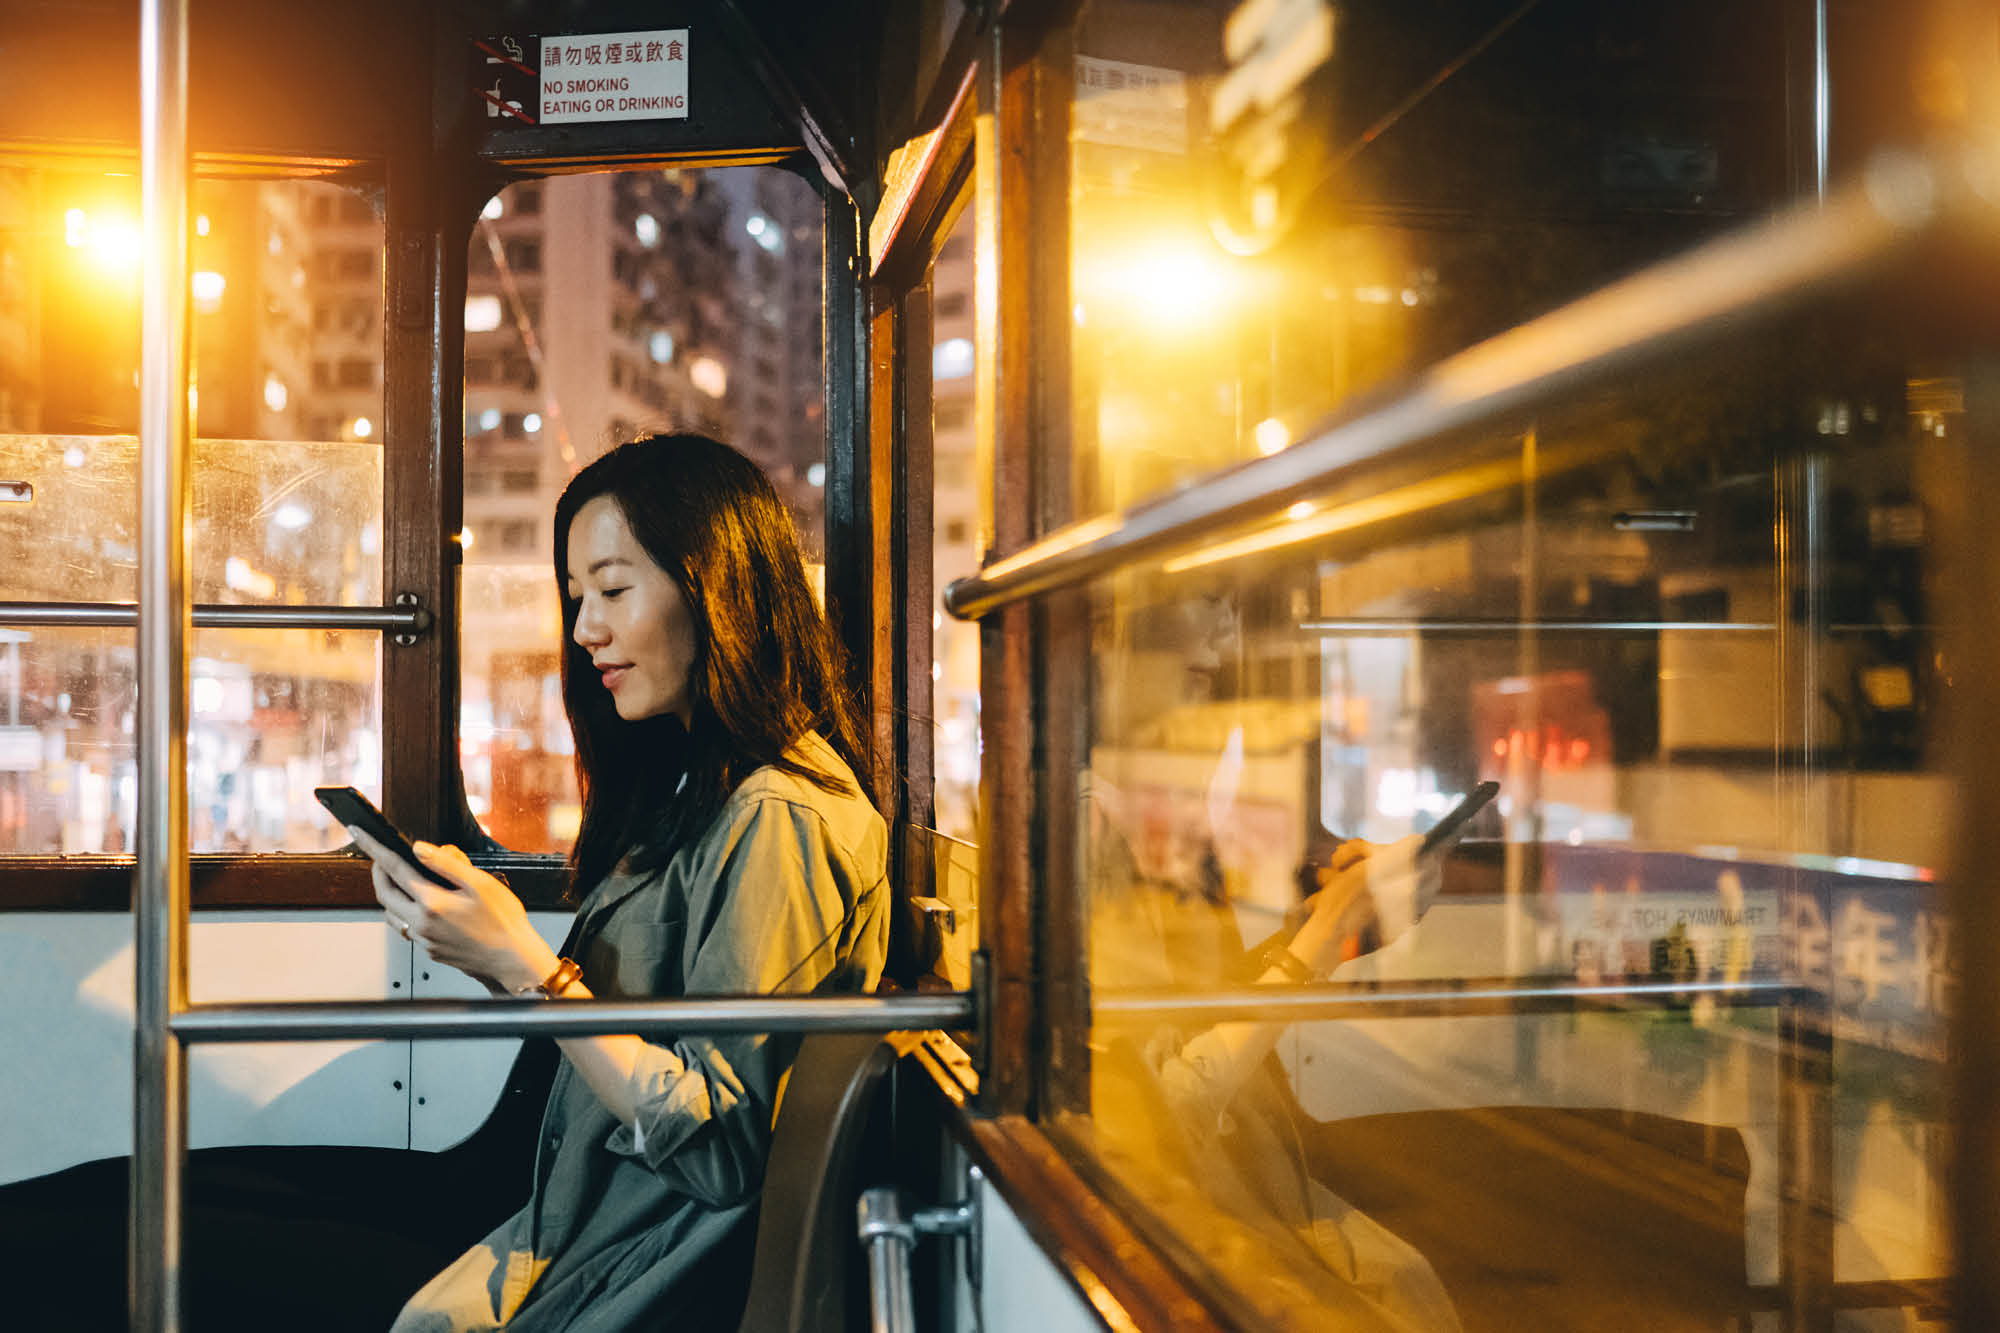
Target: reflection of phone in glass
{"x":351,"y":807}
{"x":1447,"y":830}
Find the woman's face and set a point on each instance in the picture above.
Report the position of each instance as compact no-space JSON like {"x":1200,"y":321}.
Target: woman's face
{"x":631,"y":617}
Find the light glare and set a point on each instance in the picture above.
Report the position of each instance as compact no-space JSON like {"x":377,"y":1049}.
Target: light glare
{"x":482,"y":313}
{"x":1272,"y":435}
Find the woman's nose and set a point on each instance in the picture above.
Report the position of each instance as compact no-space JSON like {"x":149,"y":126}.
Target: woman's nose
{"x":590,"y":633}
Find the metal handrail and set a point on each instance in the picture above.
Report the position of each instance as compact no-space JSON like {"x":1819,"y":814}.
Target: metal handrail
{"x":1900,"y":199}
{"x":1503,"y":996}
{"x":160,"y":893}
{"x":709,"y":1015}
{"x":409,"y":619}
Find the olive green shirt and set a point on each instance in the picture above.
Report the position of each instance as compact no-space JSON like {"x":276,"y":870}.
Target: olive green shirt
{"x":786,"y":892}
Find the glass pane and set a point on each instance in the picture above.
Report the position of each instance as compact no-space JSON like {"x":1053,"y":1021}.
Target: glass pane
{"x":1257,"y":239}
{"x":1683,"y":624}
{"x":272,"y":714}
{"x":955,"y":545}
{"x":600,"y":307}
{"x":274,"y":523}
{"x":286,"y":504}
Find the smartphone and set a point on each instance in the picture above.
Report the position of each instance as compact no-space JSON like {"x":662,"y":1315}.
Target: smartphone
{"x":351,"y":807}
{"x":1447,"y":830}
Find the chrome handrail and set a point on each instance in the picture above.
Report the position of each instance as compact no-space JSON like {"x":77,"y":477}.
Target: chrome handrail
{"x":405,"y":619}
{"x":1426,"y":999}
{"x":1899,"y":199}
{"x":708,"y":1015}
{"x":160,"y":895}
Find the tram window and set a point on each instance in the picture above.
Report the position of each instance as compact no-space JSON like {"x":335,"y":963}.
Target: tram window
{"x":596,"y":338}
{"x":286,"y":507}
{"x":955,"y":549}
{"x":1219,"y":316}
{"x":1684,"y":625}
{"x":1678,"y":803}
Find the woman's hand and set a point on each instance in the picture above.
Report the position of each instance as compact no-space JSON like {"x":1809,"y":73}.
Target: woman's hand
{"x":1389,"y":884}
{"x":479,"y":927}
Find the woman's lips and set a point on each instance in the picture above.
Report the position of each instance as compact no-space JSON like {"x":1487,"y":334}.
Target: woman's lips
{"x":612,"y":675}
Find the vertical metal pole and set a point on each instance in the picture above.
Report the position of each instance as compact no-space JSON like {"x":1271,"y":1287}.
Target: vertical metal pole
{"x":1805,"y":1111}
{"x":1822,"y":119}
{"x":159,"y":1121}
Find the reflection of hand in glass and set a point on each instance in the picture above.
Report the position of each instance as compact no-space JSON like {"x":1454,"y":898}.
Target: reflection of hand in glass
{"x":1388,"y":886}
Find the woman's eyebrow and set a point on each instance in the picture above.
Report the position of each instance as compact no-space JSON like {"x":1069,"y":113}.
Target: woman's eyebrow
{"x":596,"y":565}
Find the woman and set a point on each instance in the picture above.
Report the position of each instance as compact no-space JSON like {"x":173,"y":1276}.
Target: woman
{"x":727,"y":846}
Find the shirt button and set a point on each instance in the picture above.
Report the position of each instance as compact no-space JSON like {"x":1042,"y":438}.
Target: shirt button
{"x":555,"y":1142}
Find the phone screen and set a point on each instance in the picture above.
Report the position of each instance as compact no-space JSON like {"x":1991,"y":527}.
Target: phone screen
{"x":350,"y":807}
{"x":1453,"y":824}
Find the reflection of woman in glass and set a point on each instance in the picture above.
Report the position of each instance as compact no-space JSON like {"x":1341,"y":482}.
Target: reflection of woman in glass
{"x":1206,"y":1119}
{"x":727,"y":846}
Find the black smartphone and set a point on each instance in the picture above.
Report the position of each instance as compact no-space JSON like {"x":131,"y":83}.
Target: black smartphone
{"x":1447,"y":830}
{"x":350,"y":807}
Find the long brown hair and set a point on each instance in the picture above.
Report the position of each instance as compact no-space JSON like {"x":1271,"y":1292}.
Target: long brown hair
{"x":766,"y":668}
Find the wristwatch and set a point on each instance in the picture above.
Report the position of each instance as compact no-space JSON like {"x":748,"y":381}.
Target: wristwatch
{"x":1280,"y":956}
{"x":566,"y":974}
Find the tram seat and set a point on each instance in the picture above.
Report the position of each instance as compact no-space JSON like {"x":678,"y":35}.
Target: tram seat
{"x":806,"y":1242}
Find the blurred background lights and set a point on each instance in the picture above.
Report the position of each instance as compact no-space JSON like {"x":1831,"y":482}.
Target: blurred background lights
{"x":952,"y":359}
{"x":816,"y":475}
{"x":275,"y":393}
{"x":660,"y":346}
{"x":114,"y":243}
{"x":482,"y":313}
{"x":709,"y":376}
{"x":1165,"y":286}
{"x":494,"y":208}
{"x":292,"y":516}
{"x":208,"y":285}
{"x":531,"y":424}
{"x":1271,"y":435}
{"x":647,"y":228}
{"x":362,"y":428}
{"x":243,"y":576}
{"x":765,"y":232}
{"x":490,"y":419}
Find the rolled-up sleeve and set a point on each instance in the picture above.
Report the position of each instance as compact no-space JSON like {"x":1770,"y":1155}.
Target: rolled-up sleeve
{"x":773,"y":901}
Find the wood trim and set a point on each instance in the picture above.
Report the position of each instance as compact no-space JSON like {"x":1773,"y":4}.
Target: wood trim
{"x":922,"y":201}
{"x":1022,"y":384}
{"x":422,"y":500}
{"x":860,"y":580}
{"x":278,"y":882}
{"x":916,"y":538}
{"x":1129,"y":1285}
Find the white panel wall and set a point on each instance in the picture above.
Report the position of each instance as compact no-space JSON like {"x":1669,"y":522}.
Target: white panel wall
{"x":66,"y":1039}
{"x":453,"y":1084}
{"x":1019,"y":1290}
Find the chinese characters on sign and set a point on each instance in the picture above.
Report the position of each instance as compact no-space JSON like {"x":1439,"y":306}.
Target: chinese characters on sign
{"x":615,"y":76}
{"x":1130,"y":106}
{"x":1875,"y":945}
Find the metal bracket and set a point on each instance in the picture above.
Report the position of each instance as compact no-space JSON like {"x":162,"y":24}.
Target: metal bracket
{"x":889,"y":1232}
{"x":981,"y":986}
{"x":424,"y":620}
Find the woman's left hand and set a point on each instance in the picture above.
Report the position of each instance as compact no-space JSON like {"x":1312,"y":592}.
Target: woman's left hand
{"x":478,"y":927}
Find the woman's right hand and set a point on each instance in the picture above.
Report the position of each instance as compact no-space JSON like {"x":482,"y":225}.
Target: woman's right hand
{"x":478,"y":926}
{"x":1386,"y":883}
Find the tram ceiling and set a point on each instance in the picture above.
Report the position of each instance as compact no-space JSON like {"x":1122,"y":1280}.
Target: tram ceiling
{"x":279,"y":88}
